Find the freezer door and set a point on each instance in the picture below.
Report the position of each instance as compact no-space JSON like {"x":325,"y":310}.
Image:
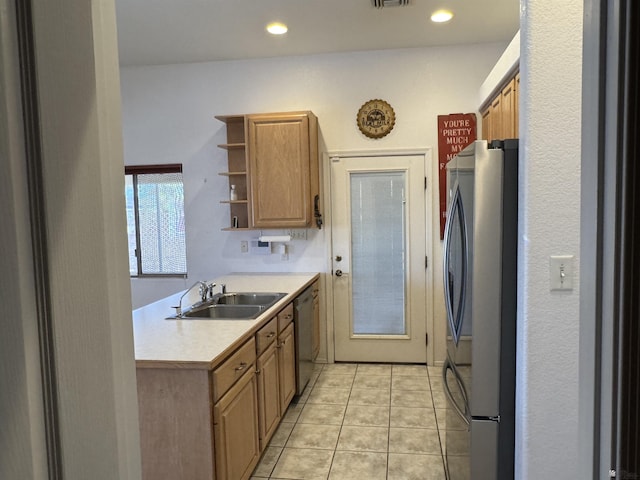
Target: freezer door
{"x":457,"y":438}
{"x":484,"y":450}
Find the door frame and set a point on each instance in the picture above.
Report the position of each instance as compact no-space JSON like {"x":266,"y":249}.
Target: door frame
{"x":78,"y":312}
{"x":427,"y":154}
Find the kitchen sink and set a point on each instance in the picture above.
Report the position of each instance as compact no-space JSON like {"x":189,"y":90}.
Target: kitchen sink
{"x":247,"y":298}
{"x":231,"y":306}
{"x":230,"y":312}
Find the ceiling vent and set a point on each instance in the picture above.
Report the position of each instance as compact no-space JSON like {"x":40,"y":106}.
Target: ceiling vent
{"x":390,"y":3}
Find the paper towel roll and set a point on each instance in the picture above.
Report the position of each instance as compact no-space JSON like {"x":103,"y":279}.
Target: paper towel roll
{"x":275,"y":238}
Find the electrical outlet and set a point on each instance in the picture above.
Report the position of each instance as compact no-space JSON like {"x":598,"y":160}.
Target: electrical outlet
{"x":299,"y":234}
{"x":244,"y":246}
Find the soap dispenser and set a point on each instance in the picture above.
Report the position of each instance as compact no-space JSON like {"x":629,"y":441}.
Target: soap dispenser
{"x":233,"y":195}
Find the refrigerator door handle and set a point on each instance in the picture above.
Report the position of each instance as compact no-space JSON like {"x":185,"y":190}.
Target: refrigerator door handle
{"x":463,"y":413}
{"x":454,"y":317}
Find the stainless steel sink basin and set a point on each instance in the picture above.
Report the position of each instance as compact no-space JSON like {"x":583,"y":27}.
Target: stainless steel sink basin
{"x":248,"y":298}
{"x":231,"y":306}
{"x":232,"y":312}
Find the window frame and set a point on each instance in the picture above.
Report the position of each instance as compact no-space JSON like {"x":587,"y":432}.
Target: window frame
{"x":134,"y":171}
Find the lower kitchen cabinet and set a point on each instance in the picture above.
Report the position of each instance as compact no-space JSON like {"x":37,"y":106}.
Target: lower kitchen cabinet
{"x":236,"y":430}
{"x":268,"y":393}
{"x":214,"y":424}
{"x":287,"y":366}
{"x":176,"y":424}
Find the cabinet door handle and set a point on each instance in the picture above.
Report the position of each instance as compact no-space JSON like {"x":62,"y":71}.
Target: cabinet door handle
{"x":241,"y":367}
{"x":271,"y":334}
{"x":288,"y":316}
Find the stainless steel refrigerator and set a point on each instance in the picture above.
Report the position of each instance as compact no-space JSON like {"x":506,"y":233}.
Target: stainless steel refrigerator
{"x":480,"y":280}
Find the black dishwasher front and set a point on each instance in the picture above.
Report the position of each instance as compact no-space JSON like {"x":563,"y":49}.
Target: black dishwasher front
{"x":303,"y":325}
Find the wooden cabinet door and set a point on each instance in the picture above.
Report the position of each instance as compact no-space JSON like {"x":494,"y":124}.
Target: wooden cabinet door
{"x":268,"y":394}
{"x":509,"y":111}
{"x":236,"y":430}
{"x":279,"y":158}
{"x":496,"y":119}
{"x":287,"y":366}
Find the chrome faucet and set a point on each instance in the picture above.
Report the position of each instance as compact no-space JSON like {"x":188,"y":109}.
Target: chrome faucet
{"x":211,"y":286}
{"x":203,"y":291}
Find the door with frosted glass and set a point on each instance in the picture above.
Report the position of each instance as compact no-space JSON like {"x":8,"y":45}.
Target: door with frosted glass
{"x":378,"y":256}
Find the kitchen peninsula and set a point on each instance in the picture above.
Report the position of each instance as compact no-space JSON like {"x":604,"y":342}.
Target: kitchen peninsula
{"x":212,"y":392}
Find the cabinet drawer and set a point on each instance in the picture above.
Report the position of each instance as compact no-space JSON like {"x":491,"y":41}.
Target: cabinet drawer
{"x":233,"y":368}
{"x":285,"y":317}
{"x":266,"y":335}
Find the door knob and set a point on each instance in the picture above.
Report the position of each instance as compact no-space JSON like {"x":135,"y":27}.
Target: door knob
{"x":338,"y":258}
{"x":338,"y":273}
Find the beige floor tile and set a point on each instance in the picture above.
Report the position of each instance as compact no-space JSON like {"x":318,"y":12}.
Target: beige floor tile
{"x":439,"y":399}
{"x":334,"y":380}
{"x":410,"y":382}
{"x":314,"y":436}
{"x":361,"y":422}
{"x":415,"y":467}
{"x":374,"y":369}
{"x":459,"y":467}
{"x":302,"y":399}
{"x":406,"y":417}
{"x":409,"y":370}
{"x":441,"y":418}
{"x":414,"y":440}
{"x":334,"y":396}
{"x":267,"y":462}
{"x":380,"y":382}
{"x":281,"y":435}
{"x":367,"y":416}
{"x":303,"y":464}
{"x":321,"y":414}
{"x":404,"y":398}
{"x":293,"y":412}
{"x":369,"y":396}
{"x":343,"y":368}
{"x":359,"y":465}
{"x":436,"y":383}
{"x":458,"y":442}
{"x":363,"y":439}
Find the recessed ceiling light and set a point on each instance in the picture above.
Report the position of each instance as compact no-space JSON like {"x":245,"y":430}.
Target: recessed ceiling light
{"x":277,"y":28}
{"x":441,"y":16}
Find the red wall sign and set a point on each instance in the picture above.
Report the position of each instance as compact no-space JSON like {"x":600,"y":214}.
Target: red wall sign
{"x":455,"y":131}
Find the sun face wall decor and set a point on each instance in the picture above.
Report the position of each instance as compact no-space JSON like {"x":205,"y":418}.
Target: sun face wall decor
{"x":376,"y":118}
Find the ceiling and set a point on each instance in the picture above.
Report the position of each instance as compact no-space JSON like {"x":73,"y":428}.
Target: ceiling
{"x":152,"y":32}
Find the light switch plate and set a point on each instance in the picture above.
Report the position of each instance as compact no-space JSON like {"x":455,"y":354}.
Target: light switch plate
{"x":561,"y":272}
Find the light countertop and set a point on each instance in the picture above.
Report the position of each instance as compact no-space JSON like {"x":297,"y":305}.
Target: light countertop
{"x":162,"y":343}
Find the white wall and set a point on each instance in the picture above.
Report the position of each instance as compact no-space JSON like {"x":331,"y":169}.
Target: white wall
{"x":168,"y":117}
{"x":548,"y":322}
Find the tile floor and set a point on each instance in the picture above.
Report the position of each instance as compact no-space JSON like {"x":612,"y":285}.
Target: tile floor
{"x":361,"y":421}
